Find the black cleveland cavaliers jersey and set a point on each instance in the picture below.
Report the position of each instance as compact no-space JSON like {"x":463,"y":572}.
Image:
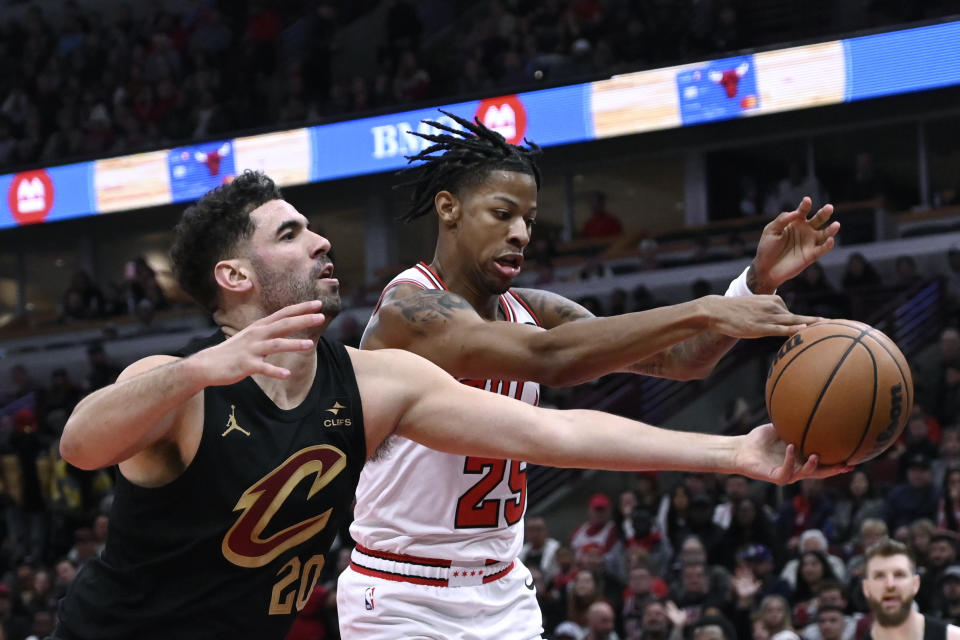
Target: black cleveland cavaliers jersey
{"x":233,"y":547}
{"x":933,"y":629}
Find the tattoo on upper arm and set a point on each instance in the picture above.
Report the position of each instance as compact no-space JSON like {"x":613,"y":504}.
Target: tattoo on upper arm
{"x":430,"y":306}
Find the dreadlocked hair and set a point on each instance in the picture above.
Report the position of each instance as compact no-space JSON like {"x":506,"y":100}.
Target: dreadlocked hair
{"x":462,"y":158}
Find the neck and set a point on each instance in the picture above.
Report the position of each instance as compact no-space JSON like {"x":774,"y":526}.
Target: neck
{"x":460,"y":281}
{"x":911,"y":629}
{"x":289,"y":392}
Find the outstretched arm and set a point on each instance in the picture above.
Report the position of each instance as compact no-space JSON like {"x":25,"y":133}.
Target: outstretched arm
{"x":789,"y":244}
{"x":442,"y":327}
{"x":407,"y":396}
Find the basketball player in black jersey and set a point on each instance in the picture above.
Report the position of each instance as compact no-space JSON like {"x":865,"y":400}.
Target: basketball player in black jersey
{"x":238,"y":458}
{"x":890,"y":583}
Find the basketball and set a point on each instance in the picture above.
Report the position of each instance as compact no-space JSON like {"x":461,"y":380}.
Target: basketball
{"x":839,"y":389}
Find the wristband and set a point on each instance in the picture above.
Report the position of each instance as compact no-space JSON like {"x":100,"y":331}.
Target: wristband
{"x":738,"y":287}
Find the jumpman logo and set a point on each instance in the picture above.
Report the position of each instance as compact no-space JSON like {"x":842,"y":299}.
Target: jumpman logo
{"x":232,"y":424}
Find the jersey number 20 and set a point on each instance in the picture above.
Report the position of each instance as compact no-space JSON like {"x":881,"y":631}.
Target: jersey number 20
{"x":475,"y":510}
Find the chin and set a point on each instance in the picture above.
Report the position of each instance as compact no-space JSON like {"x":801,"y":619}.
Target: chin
{"x":332,"y":305}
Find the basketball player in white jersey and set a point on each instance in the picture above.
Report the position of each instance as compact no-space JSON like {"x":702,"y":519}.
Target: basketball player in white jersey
{"x":438,"y":535}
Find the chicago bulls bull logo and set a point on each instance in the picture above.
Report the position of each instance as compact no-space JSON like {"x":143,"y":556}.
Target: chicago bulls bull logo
{"x":729,"y":79}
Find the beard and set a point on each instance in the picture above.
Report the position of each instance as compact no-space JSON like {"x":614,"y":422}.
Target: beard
{"x":279,"y":289}
{"x":889,"y":618}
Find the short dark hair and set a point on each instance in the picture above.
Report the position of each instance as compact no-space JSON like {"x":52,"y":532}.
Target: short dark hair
{"x":725,"y":625}
{"x":213,"y":227}
{"x":886,"y":548}
{"x":829,"y":585}
{"x":462,"y":158}
{"x":825,"y":608}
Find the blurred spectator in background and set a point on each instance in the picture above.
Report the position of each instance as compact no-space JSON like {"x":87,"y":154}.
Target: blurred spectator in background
{"x":539,"y":549}
{"x":858,"y":502}
{"x":810,"y":508}
{"x":948,"y":511}
{"x":813,"y":571}
{"x":813,"y":294}
{"x":59,"y":400}
{"x":907,"y":274}
{"x":949,"y":459}
{"x":642,"y":586}
{"x":952,"y":274}
{"x":938,"y":380}
{"x":600,"y":622}
{"x":813,"y":540}
{"x":860,"y":275}
{"x":948,"y":596}
{"x":792,"y":189}
{"x":751,"y":203}
{"x":602,"y":223}
{"x":860,"y":281}
{"x":916,"y":498}
{"x":102,"y":371}
{"x":82,"y":299}
{"x":941,"y":553}
{"x":735,"y":488}
{"x":23,"y":466}
{"x":599,"y":529}
{"x":867,"y":182}
{"x":22,"y":385}
{"x":751,"y":525}
{"x":581,"y":593}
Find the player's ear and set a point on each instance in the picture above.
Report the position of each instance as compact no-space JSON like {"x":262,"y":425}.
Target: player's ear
{"x":448,"y":208}
{"x":233,"y":275}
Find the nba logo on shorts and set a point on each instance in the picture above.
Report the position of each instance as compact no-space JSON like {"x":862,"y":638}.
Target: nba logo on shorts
{"x":368,"y":598}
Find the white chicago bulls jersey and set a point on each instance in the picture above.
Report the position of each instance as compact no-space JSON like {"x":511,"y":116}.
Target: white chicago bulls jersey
{"x":420,"y":502}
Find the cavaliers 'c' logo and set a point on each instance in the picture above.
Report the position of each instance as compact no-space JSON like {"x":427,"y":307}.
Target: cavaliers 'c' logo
{"x":243,"y":544}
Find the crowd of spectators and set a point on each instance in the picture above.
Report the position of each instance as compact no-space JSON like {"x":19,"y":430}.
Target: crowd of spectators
{"x":671,"y":553}
{"x":82,"y":83}
{"x":138,"y":294}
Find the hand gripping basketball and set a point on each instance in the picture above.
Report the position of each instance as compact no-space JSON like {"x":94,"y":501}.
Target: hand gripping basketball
{"x":840,"y":389}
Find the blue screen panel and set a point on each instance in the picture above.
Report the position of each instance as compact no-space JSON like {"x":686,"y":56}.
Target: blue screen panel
{"x":717,"y":90}
{"x":196,"y":169}
{"x":903,"y":61}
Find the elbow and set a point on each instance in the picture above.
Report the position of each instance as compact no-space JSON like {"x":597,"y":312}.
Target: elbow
{"x":73,"y":451}
{"x":555,"y":372}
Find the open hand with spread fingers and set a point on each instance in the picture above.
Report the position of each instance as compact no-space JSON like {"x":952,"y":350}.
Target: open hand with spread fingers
{"x":246,"y":353}
{"x":790,"y":243}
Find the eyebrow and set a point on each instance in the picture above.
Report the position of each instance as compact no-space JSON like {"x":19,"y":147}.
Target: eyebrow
{"x":512,"y":202}
{"x":290,"y":224}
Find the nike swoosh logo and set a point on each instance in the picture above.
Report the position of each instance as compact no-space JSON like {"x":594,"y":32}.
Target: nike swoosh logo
{"x":529,"y":584}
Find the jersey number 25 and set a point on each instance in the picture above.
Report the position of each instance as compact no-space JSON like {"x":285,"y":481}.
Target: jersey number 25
{"x":475,"y":510}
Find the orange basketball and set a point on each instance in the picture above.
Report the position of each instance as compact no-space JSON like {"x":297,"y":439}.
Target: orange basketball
{"x":840,"y":389}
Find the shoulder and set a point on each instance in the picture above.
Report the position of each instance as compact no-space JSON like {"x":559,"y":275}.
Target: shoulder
{"x":551,"y":308}
{"x":392,"y":364}
{"x":408,"y":313}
